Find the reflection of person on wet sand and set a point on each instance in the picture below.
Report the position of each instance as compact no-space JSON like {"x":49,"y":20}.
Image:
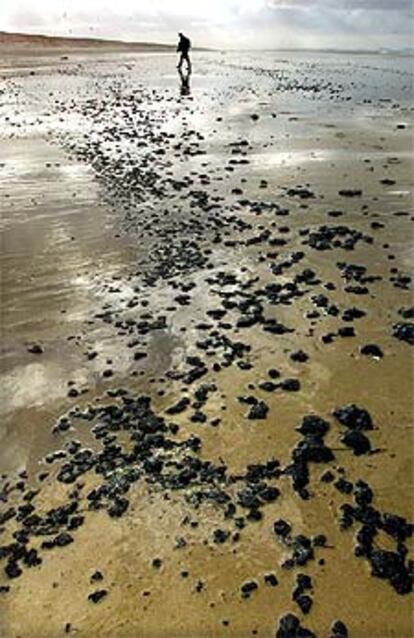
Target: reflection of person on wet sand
{"x":185,"y":82}
{"x":184,"y":46}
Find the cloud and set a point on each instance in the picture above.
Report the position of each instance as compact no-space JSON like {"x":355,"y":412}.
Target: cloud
{"x":344,"y":5}
{"x":221,"y":23}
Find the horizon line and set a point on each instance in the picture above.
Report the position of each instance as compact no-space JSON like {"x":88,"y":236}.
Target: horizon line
{"x":113,"y":40}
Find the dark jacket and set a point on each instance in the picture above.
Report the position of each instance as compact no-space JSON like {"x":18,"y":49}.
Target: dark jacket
{"x":184,"y":45}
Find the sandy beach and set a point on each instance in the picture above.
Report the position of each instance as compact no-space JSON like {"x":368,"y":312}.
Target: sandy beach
{"x":207,"y":329}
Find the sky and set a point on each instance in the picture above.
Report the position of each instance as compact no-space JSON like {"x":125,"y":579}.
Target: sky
{"x":348,"y":24}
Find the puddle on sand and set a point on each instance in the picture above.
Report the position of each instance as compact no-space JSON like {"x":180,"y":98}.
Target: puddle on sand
{"x":58,"y":245}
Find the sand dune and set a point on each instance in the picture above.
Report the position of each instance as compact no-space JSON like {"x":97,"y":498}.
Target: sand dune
{"x":22,"y":41}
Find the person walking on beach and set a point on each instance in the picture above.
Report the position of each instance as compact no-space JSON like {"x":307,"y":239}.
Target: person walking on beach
{"x":184,"y":46}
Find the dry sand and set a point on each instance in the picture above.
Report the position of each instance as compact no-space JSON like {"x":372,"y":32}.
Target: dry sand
{"x":145,"y":224}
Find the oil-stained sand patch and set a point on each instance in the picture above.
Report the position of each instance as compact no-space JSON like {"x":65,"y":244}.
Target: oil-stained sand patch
{"x":217,"y":430}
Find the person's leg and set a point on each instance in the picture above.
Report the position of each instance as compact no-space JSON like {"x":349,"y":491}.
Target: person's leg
{"x":188,"y":63}
{"x":180,"y":63}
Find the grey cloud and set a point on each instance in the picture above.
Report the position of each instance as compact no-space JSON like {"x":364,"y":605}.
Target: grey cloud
{"x":352,"y":17}
{"x":344,"y":5}
{"x":296,"y":23}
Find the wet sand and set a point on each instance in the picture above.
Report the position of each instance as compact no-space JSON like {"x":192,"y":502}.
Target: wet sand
{"x":187,"y":273}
